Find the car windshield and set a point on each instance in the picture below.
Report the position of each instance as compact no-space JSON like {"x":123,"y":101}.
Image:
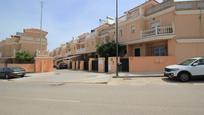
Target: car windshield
{"x":17,"y":69}
{"x":187,"y":62}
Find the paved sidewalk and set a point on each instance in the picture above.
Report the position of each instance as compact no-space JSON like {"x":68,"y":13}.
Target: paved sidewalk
{"x":66,"y":76}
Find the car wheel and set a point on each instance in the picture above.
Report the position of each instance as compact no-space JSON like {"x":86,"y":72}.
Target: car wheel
{"x":184,"y":77}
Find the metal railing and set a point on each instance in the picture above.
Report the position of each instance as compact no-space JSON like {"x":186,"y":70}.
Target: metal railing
{"x":158,"y":31}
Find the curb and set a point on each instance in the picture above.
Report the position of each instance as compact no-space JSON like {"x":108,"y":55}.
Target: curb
{"x":137,"y":76}
{"x":84,"y":81}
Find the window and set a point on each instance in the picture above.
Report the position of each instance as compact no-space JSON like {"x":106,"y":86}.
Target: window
{"x":159,"y":51}
{"x":1,"y":70}
{"x":121,"y":33}
{"x":201,"y":62}
{"x":137,"y":52}
{"x":132,"y":29}
{"x":187,"y":62}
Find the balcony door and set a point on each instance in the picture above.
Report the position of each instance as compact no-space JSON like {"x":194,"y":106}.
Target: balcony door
{"x":137,"y":52}
{"x":155,"y":24}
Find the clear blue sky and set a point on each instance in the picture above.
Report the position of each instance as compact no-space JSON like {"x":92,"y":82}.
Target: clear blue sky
{"x":63,"y":19}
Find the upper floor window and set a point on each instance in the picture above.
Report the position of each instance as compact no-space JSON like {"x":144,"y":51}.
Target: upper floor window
{"x":132,"y":29}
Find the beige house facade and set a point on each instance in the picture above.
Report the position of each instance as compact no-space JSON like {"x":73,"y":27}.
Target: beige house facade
{"x":164,"y":29}
{"x":162,"y":33}
{"x":30,"y":40}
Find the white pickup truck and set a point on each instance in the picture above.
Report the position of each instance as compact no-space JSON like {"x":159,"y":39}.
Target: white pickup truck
{"x":186,"y":70}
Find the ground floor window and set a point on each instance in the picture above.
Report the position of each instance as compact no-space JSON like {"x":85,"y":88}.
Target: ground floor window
{"x":159,"y":51}
{"x":137,"y":52}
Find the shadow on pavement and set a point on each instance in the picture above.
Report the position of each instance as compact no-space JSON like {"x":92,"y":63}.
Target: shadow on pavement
{"x":13,"y":78}
{"x":197,"y":80}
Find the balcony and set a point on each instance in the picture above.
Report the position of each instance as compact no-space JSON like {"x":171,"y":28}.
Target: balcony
{"x":189,"y":5}
{"x":81,"y":50}
{"x":158,"y":31}
{"x":159,"y":7}
{"x":68,"y":53}
{"x":103,"y":33}
{"x":42,"y":53}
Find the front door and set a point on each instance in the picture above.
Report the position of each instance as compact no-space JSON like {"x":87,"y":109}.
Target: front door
{"x":137,"y":52}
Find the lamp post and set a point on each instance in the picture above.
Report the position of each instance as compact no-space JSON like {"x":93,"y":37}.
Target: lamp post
{"x":116,"y":31}
{"x":41,"y":21}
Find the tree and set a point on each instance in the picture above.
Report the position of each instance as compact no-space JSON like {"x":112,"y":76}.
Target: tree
{"x":108,"y":49}
{"x":24,"y":57}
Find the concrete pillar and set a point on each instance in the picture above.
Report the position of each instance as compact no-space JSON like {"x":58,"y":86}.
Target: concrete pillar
{"x":90,"y":63}
{"x":101,"y":65}
{"x":81,"y":65}
{"x":73,"y":65}
{"x":77,"y":67}
{"x":112,"y":64}
{"x":68,"y":64}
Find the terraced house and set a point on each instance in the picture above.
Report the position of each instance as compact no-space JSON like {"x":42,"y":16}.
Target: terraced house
{"x":157,"y":34}
{"x":29,"y":40}
{"x":83,"y":46}
{"x":32,"y":41}
{"x":171,"y":29}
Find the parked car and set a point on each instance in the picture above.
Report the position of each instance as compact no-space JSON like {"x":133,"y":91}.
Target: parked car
{"x":12,"y":72}
{"x":62,"y":66}
{"x":187,"y":70}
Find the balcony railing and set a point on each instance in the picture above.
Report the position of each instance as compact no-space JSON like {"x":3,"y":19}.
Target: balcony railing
{"x":189,"y":5}
{"x":158,"y":31}
{"x":159,"y":7}
{"x":81,"y":50}
{"x":42,"y":53}
{"x":68,"y":53}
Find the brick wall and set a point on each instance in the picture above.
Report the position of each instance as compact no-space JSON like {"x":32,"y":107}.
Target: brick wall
{"x":30,"y":68}
{"x":43,"y":64}
{"x":150,"y":64}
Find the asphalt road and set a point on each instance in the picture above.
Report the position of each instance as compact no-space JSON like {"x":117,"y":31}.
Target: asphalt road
{"x":33,"y":98}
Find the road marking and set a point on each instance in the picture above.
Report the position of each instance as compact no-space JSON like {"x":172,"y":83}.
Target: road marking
{"x":43,"y":99}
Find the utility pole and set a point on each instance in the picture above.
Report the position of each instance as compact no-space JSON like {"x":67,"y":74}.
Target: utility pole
{"x":41,"y":21}
{"x":116,"y":32}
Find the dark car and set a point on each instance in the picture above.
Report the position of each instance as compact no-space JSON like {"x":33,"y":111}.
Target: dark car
{"x":62,"y":66}
{"x":12,"y":72}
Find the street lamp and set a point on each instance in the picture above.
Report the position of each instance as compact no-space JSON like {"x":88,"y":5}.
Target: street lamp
{"x":116,"y":31}
{"x":41,"y":21}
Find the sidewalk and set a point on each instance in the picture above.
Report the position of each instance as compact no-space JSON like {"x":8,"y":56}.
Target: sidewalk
{"x":70,"y":76}
{"x":67,"y":76}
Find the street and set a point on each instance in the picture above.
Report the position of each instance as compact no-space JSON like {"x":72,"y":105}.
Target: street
{"x":64,"y":98}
